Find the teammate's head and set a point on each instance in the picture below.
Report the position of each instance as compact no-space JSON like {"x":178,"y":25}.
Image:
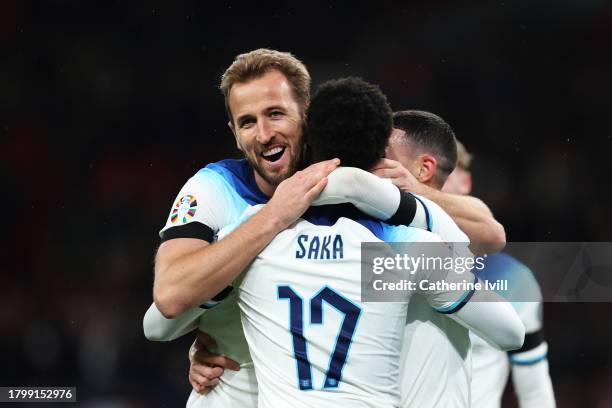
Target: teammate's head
{"x":349,"y":119}
{"x":460,"y":180}
{"x":266,"y":93}
{"x":425,"y":144}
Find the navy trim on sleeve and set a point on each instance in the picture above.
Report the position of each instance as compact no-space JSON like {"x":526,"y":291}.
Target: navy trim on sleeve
{"x":192,"y":230}
{"x":405,"y":211}
{"x":427,"y":215}
{"x":217,"y":299}
{"x":457,"y":306}
{"x":532,"y":340}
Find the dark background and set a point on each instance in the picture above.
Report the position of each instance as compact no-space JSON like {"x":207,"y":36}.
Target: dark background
{"x":107,"y":108}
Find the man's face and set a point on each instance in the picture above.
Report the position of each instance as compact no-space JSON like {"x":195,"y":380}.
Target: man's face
{"x":268,"y":126}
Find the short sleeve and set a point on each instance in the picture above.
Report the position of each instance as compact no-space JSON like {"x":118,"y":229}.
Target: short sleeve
{"x":202,"y":207}
{"x":442,"y":223}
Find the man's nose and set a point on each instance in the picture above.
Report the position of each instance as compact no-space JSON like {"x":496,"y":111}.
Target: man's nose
{"x":265,"y":132}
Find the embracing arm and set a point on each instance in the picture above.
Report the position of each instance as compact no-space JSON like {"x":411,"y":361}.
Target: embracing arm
{"x":493,"y":319}
{"x":374,"y":196}
{"x":471,"y":214}
{"x":158,"y":328}
{"x":473,"y":217}
{"x":190,"y":271}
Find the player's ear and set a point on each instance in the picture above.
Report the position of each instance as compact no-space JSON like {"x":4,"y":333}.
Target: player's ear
{"x":233,"y":129}
{"x":427,"y":168}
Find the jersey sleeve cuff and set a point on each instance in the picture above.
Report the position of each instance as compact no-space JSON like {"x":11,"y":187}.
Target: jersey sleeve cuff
{"x":192,"y":230}
{"x":529,"y":357}
{"x":406,"y":210}
{"x":427,"y":222}
{"x":532,"y":340}
{"x":457,"y":305}
{"x":217,"y":299}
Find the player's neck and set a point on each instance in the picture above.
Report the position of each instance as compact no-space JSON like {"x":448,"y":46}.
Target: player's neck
{"x":265,"y":187}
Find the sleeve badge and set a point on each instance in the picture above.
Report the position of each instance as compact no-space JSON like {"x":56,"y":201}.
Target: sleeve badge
{"x":184,"y":209}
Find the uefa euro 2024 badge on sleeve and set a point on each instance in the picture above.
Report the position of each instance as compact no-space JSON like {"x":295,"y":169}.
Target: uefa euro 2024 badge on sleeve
{"x":184,"y":209}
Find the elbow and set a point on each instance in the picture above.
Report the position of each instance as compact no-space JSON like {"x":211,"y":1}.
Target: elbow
{"x":514,"y":337}
{"x":168,"y":304}
{"x":513,"y":341}
{"x":151,"y":325}
{"x":152,"y":334}
{"x":498,"y":237}
{"x":493,"y":242}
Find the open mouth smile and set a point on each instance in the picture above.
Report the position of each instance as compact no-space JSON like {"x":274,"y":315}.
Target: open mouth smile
{"x":274,"y":154}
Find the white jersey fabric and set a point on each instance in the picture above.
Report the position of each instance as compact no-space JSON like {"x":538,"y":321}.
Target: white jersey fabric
{"x":312,"y":341}
{"x":436,"y":356}
{"x":211,"y":201}
{"x":529,"y":366}
{"x":435,"y":359}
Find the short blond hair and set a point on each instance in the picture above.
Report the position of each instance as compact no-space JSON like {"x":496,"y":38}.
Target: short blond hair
{"x":255,"y":64}
{"x":464,"y":158}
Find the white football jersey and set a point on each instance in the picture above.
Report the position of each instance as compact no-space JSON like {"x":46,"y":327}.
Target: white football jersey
{"x":491,"y":367}
{"x":213,"y":201}
{"x":237,"y":389}
{"x":313,"y":342}
{"x":436,"y":363}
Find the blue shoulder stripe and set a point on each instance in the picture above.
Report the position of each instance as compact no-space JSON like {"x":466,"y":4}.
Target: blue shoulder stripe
{"x":239,"y":174}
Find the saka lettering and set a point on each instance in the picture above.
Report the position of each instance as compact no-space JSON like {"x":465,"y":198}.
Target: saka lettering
{"x":320,"y":247}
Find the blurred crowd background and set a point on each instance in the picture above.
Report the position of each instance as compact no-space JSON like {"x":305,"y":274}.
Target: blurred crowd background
{"x":106,"y":108}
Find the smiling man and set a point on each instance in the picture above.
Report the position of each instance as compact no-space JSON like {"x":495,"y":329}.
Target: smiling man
{"x":265,"y":93}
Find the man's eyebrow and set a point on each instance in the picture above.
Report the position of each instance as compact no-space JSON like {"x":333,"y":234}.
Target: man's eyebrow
{"x":275,"y":107}
{"x":243,"y":117}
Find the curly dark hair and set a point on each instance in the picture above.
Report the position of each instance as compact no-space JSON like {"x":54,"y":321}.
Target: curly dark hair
{"x":351,"y":119}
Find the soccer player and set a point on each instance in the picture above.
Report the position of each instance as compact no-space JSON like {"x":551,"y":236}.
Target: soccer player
{"x":491,"y":367}
{"x":266,"y":93}
{"x":436,"y":354}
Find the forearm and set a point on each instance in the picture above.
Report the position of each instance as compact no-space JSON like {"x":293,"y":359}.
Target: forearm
{"x":372,"y":195}
{"x":493,"y":319}
{"x":533,"y":386}
{"x":158,"y":328}
{"x":473,"y":217}
{"x":186,"y":281}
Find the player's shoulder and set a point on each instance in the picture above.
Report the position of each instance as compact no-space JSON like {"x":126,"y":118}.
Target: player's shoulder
{"x":349,"y":218}
{"x":522,"y":284}
{"x":402,"y":233}
{"x":228,"y":170}
{"x":502,"y":262}
{"x":234,"y":176}
{"x":441,"y":223}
